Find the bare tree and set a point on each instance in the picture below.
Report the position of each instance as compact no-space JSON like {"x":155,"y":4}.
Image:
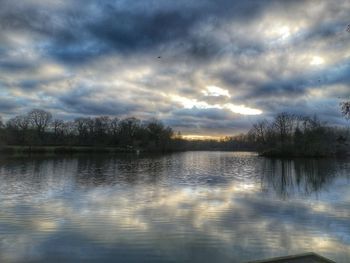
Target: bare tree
{"x":82,"y":126}
{"x":1,"y":123}
{"x":39,"y":120}
{"x":284,"y":125}
{"x":345,"y":109}
{"x":260,"y":130}
{"x":102,"y":125}
{"x":58,"y":128}
{"x":114,"y":126}
{"x":18,"y":128}
{"x":128,"y":129}
{"x":20,"y":123}
{"x":85,"y":128}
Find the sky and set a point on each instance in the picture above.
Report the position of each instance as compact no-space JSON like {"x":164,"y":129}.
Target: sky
{"x":204,"y":67}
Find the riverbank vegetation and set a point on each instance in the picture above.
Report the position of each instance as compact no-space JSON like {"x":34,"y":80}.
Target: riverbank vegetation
{"x":287,"y":135}
{"x":38,"y":131}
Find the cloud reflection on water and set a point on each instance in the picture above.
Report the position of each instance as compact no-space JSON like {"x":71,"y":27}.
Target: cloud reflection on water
{"x":190,"y":206}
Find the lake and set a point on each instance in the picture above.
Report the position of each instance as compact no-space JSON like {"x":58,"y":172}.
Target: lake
{"x":181,"y":207}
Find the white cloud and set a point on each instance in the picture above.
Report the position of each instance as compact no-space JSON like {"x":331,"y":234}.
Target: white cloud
{"x":194,"y":103}
{"x":216,"y":92}
{"x":316,"y":60}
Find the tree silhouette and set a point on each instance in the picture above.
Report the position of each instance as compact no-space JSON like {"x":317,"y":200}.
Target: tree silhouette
{"x":345,"y":109}
{"x":39,"y":120}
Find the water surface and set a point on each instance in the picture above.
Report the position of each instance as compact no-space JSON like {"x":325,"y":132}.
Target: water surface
{"x":183,"y":207}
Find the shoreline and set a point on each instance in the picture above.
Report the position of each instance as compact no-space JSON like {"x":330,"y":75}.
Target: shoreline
{"x":278,"y":154}
{"x":15,"y":149}
{"x":50,"y":149}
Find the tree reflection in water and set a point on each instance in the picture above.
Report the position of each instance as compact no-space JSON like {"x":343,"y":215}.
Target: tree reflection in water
{"x":299,"y":176}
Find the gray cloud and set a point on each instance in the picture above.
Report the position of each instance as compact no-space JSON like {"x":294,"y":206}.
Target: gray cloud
{"x":121,"y":58}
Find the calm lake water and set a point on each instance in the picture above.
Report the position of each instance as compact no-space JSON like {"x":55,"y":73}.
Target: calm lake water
{"x":183,"y":207}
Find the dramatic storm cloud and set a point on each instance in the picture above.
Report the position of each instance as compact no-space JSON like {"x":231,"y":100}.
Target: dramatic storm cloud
{"x":204,"y":67}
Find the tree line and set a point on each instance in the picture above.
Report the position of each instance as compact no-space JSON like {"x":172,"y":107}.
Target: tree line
{"x":286,"y":135}
{"x":38,"y":127}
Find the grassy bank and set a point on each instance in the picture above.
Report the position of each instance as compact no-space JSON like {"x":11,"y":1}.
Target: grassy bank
{"x":63,"y":149}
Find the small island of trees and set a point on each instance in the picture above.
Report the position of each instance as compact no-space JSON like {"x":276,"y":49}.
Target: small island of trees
{"x":291,"y":135}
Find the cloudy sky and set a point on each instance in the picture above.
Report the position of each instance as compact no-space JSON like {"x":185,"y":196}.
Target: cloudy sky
{"x":204,"y":67}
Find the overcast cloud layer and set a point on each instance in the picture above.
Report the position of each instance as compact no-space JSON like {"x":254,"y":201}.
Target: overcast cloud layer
{"x":203,"y":67}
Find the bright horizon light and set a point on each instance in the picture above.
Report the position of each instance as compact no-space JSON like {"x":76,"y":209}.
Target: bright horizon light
{"x":201,"y":137}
